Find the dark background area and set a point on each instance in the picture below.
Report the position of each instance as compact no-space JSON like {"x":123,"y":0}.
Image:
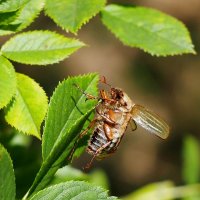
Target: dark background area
{"x":167,"y":85}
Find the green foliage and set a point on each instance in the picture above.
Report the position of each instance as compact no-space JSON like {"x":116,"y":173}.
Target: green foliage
{"x":191,"y":160}
{"x":7,"y":81}
{"x":66,"y":116}
{"x":7,"y":179}
{"x":75,"y":190}
{"x":11,"y":5}
{"x":148,"y":29}
{"x":28,"y":109}
{"x":69,"y":113}
{"x":67,"y":105}
{"x":68,"y":173}
{"x":145,"y":28}
{"x":28,"y":13}
{"x":164,"y":191}
{"x":98,"y":177}
{"x":191,"y":191}
{"x":8,"y":17}
{"x":150,"y":191}
{"x":22,"y":17}
{"x":72,"y":14}
{"x":39,"y":47}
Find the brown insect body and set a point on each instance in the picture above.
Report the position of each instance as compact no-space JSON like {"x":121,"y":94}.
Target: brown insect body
{"x":113,"y":115}
{"x":114,"y":112}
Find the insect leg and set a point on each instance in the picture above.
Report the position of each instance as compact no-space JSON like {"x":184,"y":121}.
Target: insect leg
{"x":88,"y":96}
{"x":103,"y":95}
{"x":88,"y":165}
{"x":91,"y":125}
{"x":103,"y":80}
{"x":108,"y":131}
{"x":105,"y":118}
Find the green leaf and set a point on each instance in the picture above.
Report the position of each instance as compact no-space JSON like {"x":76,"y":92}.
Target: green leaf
{"x":7,"y":178}
{"x":24,"y":16}
{"x":99,"y":177}
{"x":7,"y":82}
{"x":151,"y":191}
{"x":58,"y":157}
{"x":68,"y":111}
{"x":72,"y":14}
{"x":39,"y":47}
{"x":164,"y":191}
{"x":148,"y":29}
{"x":76,"y":190}
{"x":68,"y":173}
{"x":67,"y":105}
{"x":28,"y":108}
{"x":191,"y":160}
{"x":28,"y":13}
{"x":11,"y":5}
{"x":7,"y":18}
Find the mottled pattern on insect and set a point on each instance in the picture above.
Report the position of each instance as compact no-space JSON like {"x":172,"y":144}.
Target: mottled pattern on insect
{"x":114,"y":112}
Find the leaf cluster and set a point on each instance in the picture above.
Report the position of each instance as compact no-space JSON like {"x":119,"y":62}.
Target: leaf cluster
{"x":146,"y":28}
{"x":24,"y":101}
{"x":68,"y":112}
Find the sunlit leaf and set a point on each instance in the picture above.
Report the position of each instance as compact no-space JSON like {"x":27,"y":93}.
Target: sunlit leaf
{"x":7,"y":178}
{"x":39,"y":47}
{"x":66,"y":106}
{"x":23,"y":17}
{"x":148,"y":29}
{"x":7,"y":18}
{"x":99,"y":177}
{"x":11,"y":5}
{"x":73,"y":190}
{"x":7,"y":82}
{"x":72,"y":14}
{"x":68,"y":173}
{"x":164,"y":191}
{"x":191,"y":160}
{"x":28,"y":108}
{"x":68,"y":111}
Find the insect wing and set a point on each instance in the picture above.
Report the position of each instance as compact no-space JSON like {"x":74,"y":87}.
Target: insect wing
{"x":150,"y":121}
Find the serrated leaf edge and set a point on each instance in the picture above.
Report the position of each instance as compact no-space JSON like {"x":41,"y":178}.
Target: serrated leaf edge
{"x":4,"y":105}
{"x":14,"y":99}
{"x":25,"y":25}
{"x":78,"y":45}
{"x":75,"y":123}
{"x":16,"y":128}
{"x":38,"y":31}
{"x":28,"y":22}
{"x":146,"y":50}
{"x":76,"y":29}
{"x":103,"y":191}
{"x":43,"y":169}
{"x":5,"y":11}
{"x":10,"y":160}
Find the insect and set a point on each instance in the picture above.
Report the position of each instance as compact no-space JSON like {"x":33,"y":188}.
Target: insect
{"x":114,"y":112}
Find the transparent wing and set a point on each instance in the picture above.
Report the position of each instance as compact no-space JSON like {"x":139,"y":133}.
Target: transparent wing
{"x":150,"y":121}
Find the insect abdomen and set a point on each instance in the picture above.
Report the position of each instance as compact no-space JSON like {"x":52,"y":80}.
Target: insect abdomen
{"x":98,"y":140}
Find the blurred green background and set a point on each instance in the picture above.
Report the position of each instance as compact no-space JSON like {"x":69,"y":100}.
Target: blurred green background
{"x":167,"y":85}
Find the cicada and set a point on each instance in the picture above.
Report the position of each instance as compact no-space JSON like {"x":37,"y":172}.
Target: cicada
{"x":114,"y":112}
